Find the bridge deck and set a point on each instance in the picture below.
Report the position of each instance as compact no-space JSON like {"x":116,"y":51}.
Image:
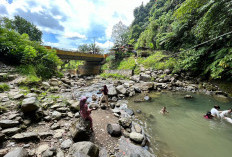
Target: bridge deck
{"x":69,"y":55}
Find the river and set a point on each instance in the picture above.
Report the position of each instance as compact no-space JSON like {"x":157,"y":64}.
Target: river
{"x":183,"y":132}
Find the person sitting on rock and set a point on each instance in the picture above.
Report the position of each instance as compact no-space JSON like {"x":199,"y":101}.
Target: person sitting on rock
{"x":208,"y":115}
{"x":85,"y":111}
{"x":104,"y":95}
{"x":163,"y":111}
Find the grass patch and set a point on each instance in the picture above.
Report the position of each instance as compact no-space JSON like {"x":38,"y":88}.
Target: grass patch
{"x":3,"y":108}
{"x":115,"y":76}
{"x":127,"y":64}
{"x":158,"y":61}
{"x":4,"y":87}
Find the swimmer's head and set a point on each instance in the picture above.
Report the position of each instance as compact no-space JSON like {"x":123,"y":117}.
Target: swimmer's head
{"x":217,"y":107}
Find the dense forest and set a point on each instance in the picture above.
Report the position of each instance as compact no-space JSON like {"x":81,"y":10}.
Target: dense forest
{"x":183,"y":28}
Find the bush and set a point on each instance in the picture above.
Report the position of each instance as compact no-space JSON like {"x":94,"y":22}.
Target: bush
{"x":127,"y":63}
{"x":4,"y":87}
{"x":19,"y":50}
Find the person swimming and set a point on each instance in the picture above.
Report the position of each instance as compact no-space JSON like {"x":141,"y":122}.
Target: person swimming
{"x":164,"y":110}
{"x":208,"y":115}
{"x":215,"y":111}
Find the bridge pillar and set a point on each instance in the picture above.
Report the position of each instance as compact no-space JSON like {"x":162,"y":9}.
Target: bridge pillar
{"x":89,"y":68}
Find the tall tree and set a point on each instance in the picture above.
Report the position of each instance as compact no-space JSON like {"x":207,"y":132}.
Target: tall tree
{"x":22,"y":26}
{"x":120,"y":34}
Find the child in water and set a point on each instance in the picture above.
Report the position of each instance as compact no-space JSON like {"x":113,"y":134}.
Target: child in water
{"x":208,"y":115}
{"x":163,"y":111}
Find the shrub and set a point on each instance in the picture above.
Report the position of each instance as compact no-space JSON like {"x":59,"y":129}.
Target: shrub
{"x":4,"y":87}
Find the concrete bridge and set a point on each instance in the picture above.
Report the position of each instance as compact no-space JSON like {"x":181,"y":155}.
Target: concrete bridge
{"x":92,"y":64}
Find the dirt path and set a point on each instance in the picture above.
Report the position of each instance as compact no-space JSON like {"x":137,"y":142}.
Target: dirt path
{"x":100,"y":120}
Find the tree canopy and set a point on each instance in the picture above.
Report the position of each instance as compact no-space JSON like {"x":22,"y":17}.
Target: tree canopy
{"x":120,"y":34}
{"x":21,"y":25}
{"x":177,"y":25}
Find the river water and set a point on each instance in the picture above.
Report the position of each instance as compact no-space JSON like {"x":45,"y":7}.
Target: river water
{"x":183,"y":132}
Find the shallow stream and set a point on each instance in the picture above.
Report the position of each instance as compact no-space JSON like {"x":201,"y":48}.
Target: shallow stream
{"x":183,"y":132}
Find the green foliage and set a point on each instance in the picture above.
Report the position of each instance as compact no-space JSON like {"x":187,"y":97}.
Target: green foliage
{"x":4,"y":87}
{"x":120,"y":34}
{"x":19,"y":50}
{"x":127,"y":63}
{"x":87,"y":48}
{"x":115,"y":76}
{"x":3,"y":108}
{"x":73,"y":64}
{"x":158,"y":61}
{"x":181,"y":24}
{"x":22,"y":26}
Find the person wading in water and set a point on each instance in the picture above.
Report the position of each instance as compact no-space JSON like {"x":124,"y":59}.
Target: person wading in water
{"x":104,"y":95}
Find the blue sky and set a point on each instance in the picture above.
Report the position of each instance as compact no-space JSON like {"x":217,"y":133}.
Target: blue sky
{"x":70,"y":23}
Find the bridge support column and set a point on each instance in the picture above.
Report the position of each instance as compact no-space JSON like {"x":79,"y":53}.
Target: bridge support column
{"x":89,"y":68}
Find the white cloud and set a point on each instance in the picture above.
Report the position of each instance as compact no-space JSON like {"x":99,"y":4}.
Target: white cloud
{"x":74,"y":18}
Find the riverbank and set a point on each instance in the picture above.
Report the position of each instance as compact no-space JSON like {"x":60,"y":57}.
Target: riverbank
{"x":42,"y":119}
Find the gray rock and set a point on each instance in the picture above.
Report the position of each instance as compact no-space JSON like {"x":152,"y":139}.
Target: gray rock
{"x":54,"y":82}
{"x":112,"y":91}
{"x":48,"y":153}
{"x":114,"y":129}
{"x":55,"y":126}
{"x":8,"y":123}
{"x":19,"y":96}
{"x":167,"y":71}
{"x":147,"y":98}
{"x":80,"y":130}
{"x":125,"y":122}
{"x":138,"y":128}
{"x":77,"y":115}
{"x":46,"y":84}
{"x":145,"y":77}
{"x":27,"y":136}
{"x":136,"y":137}
{"x":129,"y":111}
{"x":60,"y":153}
{"x":29,"y":105}
{"x":29,"y":95}
{"x":17,"y":152}
{"x":121,"y":89}
{"x":56,"y":115}
{"x":43,"y":135}
{"x":66,"y":144}
{"x":85,"y":148}
{"x":11,"y":131}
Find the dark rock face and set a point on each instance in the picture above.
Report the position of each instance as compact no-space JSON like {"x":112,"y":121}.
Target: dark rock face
{"x":18,"y":152}
{"x":82,"y":149}
{"x":8,"y":123}
{"x":114,"y":129}
{"x":80,"y":130}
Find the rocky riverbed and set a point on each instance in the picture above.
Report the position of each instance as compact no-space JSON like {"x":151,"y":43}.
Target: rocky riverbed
{"x":44,"y":120}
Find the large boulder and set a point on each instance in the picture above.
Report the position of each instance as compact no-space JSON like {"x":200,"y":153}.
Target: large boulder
{"x":80,"y":130}
{"x":17,"y":152}
{"x":74,"y":105}
{"x":121,"y":89}
{"x":56,"y":115}
{"x":84,"y":149}
{"x":114,"y":129}
{"x":54,"y":82}
{"x":66,"y":144}
{"x":135,"y":78}
{"x":29,"y":105}
{"x":145,"y":77}
{"x":112,"y":91}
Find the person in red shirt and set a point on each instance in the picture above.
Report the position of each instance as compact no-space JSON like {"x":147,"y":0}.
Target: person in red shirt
{"x":104,"y":95}
{"x":208,"y":115}
{"x":85,"y":111}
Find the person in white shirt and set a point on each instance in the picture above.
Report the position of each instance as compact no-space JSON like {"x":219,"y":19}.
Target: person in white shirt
{"x":214,"y":111}
{"x":226,"y":113}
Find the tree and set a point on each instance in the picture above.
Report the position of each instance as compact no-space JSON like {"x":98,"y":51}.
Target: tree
{"x":120,"y":34}
{"x":22,"y":26}
{"x":86,"y":48}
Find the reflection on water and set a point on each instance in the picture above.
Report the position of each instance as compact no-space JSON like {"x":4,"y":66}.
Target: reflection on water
{"x":184,"y":132}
